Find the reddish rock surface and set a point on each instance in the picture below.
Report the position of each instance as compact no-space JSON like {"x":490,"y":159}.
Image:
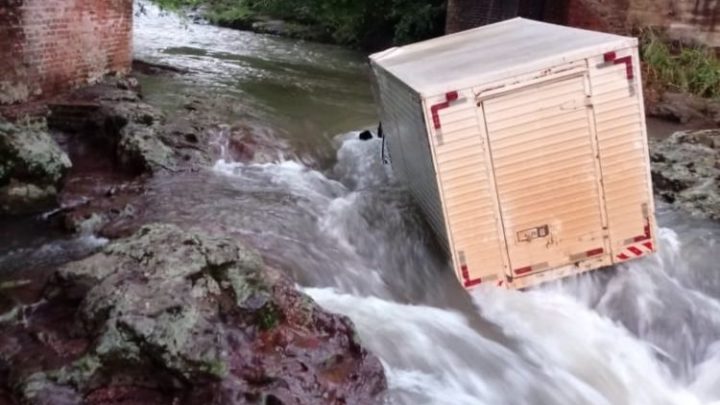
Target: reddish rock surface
{"x":182,"y":317}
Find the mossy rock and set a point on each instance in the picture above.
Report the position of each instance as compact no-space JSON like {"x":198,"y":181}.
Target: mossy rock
{"x":32,"y":167}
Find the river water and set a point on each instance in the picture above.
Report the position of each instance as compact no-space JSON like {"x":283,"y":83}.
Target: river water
{"x":643,"y":333}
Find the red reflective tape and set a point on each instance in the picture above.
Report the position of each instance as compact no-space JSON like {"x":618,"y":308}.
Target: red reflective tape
{"x":595,"y":252}
{"x":435,"y":109}
{"x":471,"y":283}
{"x":626,"y":60}
{"x":466,"y":277}
{"x":635,"y":251}
{"x":623,"y":256}
{"x":648,"y":245}
{"x":647,"y":234}
{"x":523,"y":270}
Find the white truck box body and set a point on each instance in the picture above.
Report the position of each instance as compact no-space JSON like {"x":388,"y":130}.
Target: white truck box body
{"x":525,"y":145}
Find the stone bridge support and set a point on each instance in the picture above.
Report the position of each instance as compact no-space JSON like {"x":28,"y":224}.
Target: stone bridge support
{"x":686,"y":19}
{"x":49,"y":46}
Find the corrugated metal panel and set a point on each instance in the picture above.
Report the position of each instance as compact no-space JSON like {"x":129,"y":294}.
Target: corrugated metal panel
{"x":401,"y":112}
{"x":547,"y":174}
{"x":622,"y":140}
{"x":492,"y":52}
{"x":467,"y":189}
{"x":563,"y":147}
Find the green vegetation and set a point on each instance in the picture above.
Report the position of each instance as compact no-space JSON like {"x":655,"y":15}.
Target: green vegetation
{"x":368,"y":24}
{"x":693,"y":69}
{"x":225,"y":11}
{"x":268,"y":317}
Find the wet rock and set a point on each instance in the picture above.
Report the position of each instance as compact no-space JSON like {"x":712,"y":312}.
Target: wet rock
{"x":39,"y":390}
{"x":128,"y":83}
{"x":32,"y":167}
{"x":365,"y":135}
{"x":686,"y":108}
{"x":141,"y":150}
{"x":113,"y":114}
{"x":686,"y":172}
{"x":22,"y":198}
{"x":185,"y":317}
{"x":197,"y":13}
{"x":150,"y":68}
{"x":289,"y":30}
{"x":84,"y":225}
{"x":250,"y":144}
{"x":190,"y":137}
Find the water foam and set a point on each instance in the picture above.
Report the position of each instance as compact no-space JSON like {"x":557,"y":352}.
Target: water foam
{"x":638,"y":334}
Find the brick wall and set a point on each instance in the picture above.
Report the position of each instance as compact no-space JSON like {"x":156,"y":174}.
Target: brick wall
{"x":598,"y":15}
{"x":686,"y":19}
{"x":48,"y":46}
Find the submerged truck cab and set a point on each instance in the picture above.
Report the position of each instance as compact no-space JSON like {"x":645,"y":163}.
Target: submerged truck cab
{"x":524,"y":143}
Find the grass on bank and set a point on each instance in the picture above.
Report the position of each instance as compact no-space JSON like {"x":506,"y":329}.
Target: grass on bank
{"x":693,"y":69}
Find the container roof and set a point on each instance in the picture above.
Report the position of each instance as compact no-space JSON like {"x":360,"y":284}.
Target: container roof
{"x":492,"y":52}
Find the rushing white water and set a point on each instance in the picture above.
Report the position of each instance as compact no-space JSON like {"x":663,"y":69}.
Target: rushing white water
{"x":644,"y":333}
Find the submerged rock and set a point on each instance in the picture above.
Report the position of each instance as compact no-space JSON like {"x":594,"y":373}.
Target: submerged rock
{"x":686,"y":170}
{"x":32,"y":167}
{"x":185,"y":317}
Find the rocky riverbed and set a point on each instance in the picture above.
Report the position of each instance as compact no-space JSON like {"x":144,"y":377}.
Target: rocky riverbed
{"x":686,"y":171}
{"x":163,"y":314}
{"x":189,"y":312}
{"x":32,"y":167}
{"x":173,"y":316}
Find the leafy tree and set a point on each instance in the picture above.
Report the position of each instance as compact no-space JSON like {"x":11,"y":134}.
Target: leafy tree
{"x":366,"y":23}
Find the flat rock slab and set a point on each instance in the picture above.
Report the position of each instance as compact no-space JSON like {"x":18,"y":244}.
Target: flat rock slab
{"x":175,"y":316}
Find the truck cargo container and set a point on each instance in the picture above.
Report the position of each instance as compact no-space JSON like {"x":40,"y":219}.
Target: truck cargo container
{"x":524,"y":144}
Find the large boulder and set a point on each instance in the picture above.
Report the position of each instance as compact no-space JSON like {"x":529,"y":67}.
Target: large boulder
{"x":32,"y":167}
{"x":686,"y":170}
{"x":190,"y":318}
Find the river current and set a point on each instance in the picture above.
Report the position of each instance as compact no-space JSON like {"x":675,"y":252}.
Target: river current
{"x":643,"y":333}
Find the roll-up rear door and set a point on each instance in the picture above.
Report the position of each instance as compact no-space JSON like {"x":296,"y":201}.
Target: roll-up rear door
{"x":547,"y":174}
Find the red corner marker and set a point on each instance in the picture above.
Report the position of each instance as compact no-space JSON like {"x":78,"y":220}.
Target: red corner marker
{"x":435,"y":109}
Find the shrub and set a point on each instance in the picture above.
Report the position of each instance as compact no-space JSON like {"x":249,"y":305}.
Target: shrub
{"x":365,"y":23}
{"x":690,"y":68}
